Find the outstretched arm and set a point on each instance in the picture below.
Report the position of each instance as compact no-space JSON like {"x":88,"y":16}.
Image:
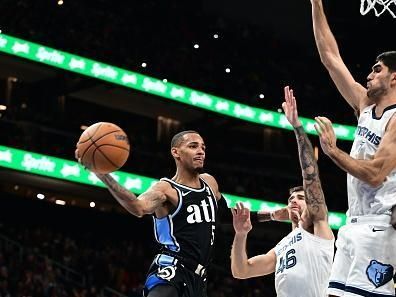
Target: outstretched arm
{"x":281,"y":214}
{"x":146,"y":203}
{"x":314,"y":197}
{"x":372,"y":172}
{"x":241,"y":266}
{"x":353,"y":92}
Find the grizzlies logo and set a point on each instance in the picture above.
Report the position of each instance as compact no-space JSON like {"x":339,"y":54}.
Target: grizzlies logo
{"x":167,"y":273}
{"x":379,"y":274}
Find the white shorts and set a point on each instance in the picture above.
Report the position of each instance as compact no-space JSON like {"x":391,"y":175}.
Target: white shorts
{"x":365,"y":260}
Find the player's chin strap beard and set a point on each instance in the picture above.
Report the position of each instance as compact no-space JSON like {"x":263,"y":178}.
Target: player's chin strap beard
{"x":200,"y":170}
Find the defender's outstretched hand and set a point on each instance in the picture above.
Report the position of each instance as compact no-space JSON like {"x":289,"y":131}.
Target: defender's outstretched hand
{"x":290,"y":108}
{"x":328,"y":139}
{"x":241,"y":219}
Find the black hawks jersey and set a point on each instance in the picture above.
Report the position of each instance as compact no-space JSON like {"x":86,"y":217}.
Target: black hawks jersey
{"x":190,"y":229}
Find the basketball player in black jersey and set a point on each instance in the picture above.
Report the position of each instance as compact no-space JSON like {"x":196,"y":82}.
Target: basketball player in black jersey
{"x":184,"y":210}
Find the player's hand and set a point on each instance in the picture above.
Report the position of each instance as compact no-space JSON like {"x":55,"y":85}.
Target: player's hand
{"x":295,"y":217}
{"x":77,"y":156}
{"x":241,"y":219}
{"x":327,"y":137}
{"x":290,"y":108}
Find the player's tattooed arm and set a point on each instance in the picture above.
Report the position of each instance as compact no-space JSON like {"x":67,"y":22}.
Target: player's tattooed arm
{"x":146,"y":203}
{"x":314,"y":196}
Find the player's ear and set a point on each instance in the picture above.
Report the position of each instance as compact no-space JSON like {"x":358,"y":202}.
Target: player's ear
{"x":393,"y":78}
{"x":175,"y":152}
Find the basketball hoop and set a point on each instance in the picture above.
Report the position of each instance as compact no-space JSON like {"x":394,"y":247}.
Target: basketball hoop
{"x":379,"y":7}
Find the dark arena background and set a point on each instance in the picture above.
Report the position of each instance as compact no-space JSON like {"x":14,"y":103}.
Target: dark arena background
{"x":155,"y":68}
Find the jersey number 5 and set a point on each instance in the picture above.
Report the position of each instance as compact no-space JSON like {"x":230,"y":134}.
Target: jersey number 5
{"x":213,"y":235}
{"x":287,"y":262}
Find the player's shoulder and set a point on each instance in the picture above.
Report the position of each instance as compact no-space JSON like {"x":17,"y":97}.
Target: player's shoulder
{"x":365,"y":109}
{"x":211,"y":181}
{"x":161,"y":185}
{"x":391,"y":125}
{"x":208,"y":178}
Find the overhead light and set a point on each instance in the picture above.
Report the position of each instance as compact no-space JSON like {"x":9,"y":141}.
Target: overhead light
{"x":196,"y":45}
{"x":83,"y":127}
{"x":144,"y":64}
{"x":228,"y":70}
{"x":92,"y":204}
{"x":215,"y":36}
{"x":261,"y":96}
{"x":3,"y":107}
{"x":60,"y":2}
{"x":279,"y":109}
{"x":165,"y":80}
{"x":60,"y":202}
{"x":40,"y":196}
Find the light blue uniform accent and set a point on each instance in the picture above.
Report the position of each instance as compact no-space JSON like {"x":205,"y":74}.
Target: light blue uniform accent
{"x":163,"y":230}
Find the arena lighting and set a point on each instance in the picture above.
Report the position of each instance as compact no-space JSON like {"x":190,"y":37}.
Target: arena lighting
{"x":196,"y":45}
{"x":40,"y":196}
{"x":46,"y":55}
{"x":92,"y":204}
{"x":144,"y":65}
{"x":60,"y":202}
{"x":3,"y":107}
{"x":73,"y":172}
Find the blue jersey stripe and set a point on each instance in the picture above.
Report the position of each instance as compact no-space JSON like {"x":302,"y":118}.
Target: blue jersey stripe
{"x":164,"y":233}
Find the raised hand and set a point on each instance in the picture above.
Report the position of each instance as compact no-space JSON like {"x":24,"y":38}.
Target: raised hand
{"x":241,"y":219}
{"x":290,"y":108}
{"x":77,"y":156}
{"x":328,"y":139}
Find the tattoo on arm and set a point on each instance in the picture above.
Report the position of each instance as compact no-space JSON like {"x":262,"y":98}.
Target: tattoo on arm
{"x":147,"y":202}
{"x":263,"y":216}
{"x":152,"y":200}
{"x":116,"y":189}
{"x":314,"y":196}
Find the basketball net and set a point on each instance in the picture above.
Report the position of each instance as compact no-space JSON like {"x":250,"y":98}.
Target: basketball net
{"x":379,"y":7}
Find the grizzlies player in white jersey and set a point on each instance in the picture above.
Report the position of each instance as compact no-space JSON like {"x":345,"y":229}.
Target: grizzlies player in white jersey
{"x":184,"y":210}
{"x":365,"y":260}
{"x":302,"y":260}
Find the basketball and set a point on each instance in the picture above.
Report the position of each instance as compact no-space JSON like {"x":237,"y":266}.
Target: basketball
{"x":103,"y":147}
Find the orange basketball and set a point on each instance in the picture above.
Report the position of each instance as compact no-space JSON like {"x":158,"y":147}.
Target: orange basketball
{"x":103,"y":147}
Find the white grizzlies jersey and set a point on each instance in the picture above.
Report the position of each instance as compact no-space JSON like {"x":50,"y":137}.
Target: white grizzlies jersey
{"x":303,"y":264}
{"x":362,"y":198}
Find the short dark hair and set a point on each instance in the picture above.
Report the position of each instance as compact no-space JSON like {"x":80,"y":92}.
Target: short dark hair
{"x":389,"y":60}
{"x":178,"y":138}
{"x":296,"y":189}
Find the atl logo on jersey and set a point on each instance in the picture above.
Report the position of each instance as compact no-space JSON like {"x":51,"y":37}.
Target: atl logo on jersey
{"x":204,"y":212}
